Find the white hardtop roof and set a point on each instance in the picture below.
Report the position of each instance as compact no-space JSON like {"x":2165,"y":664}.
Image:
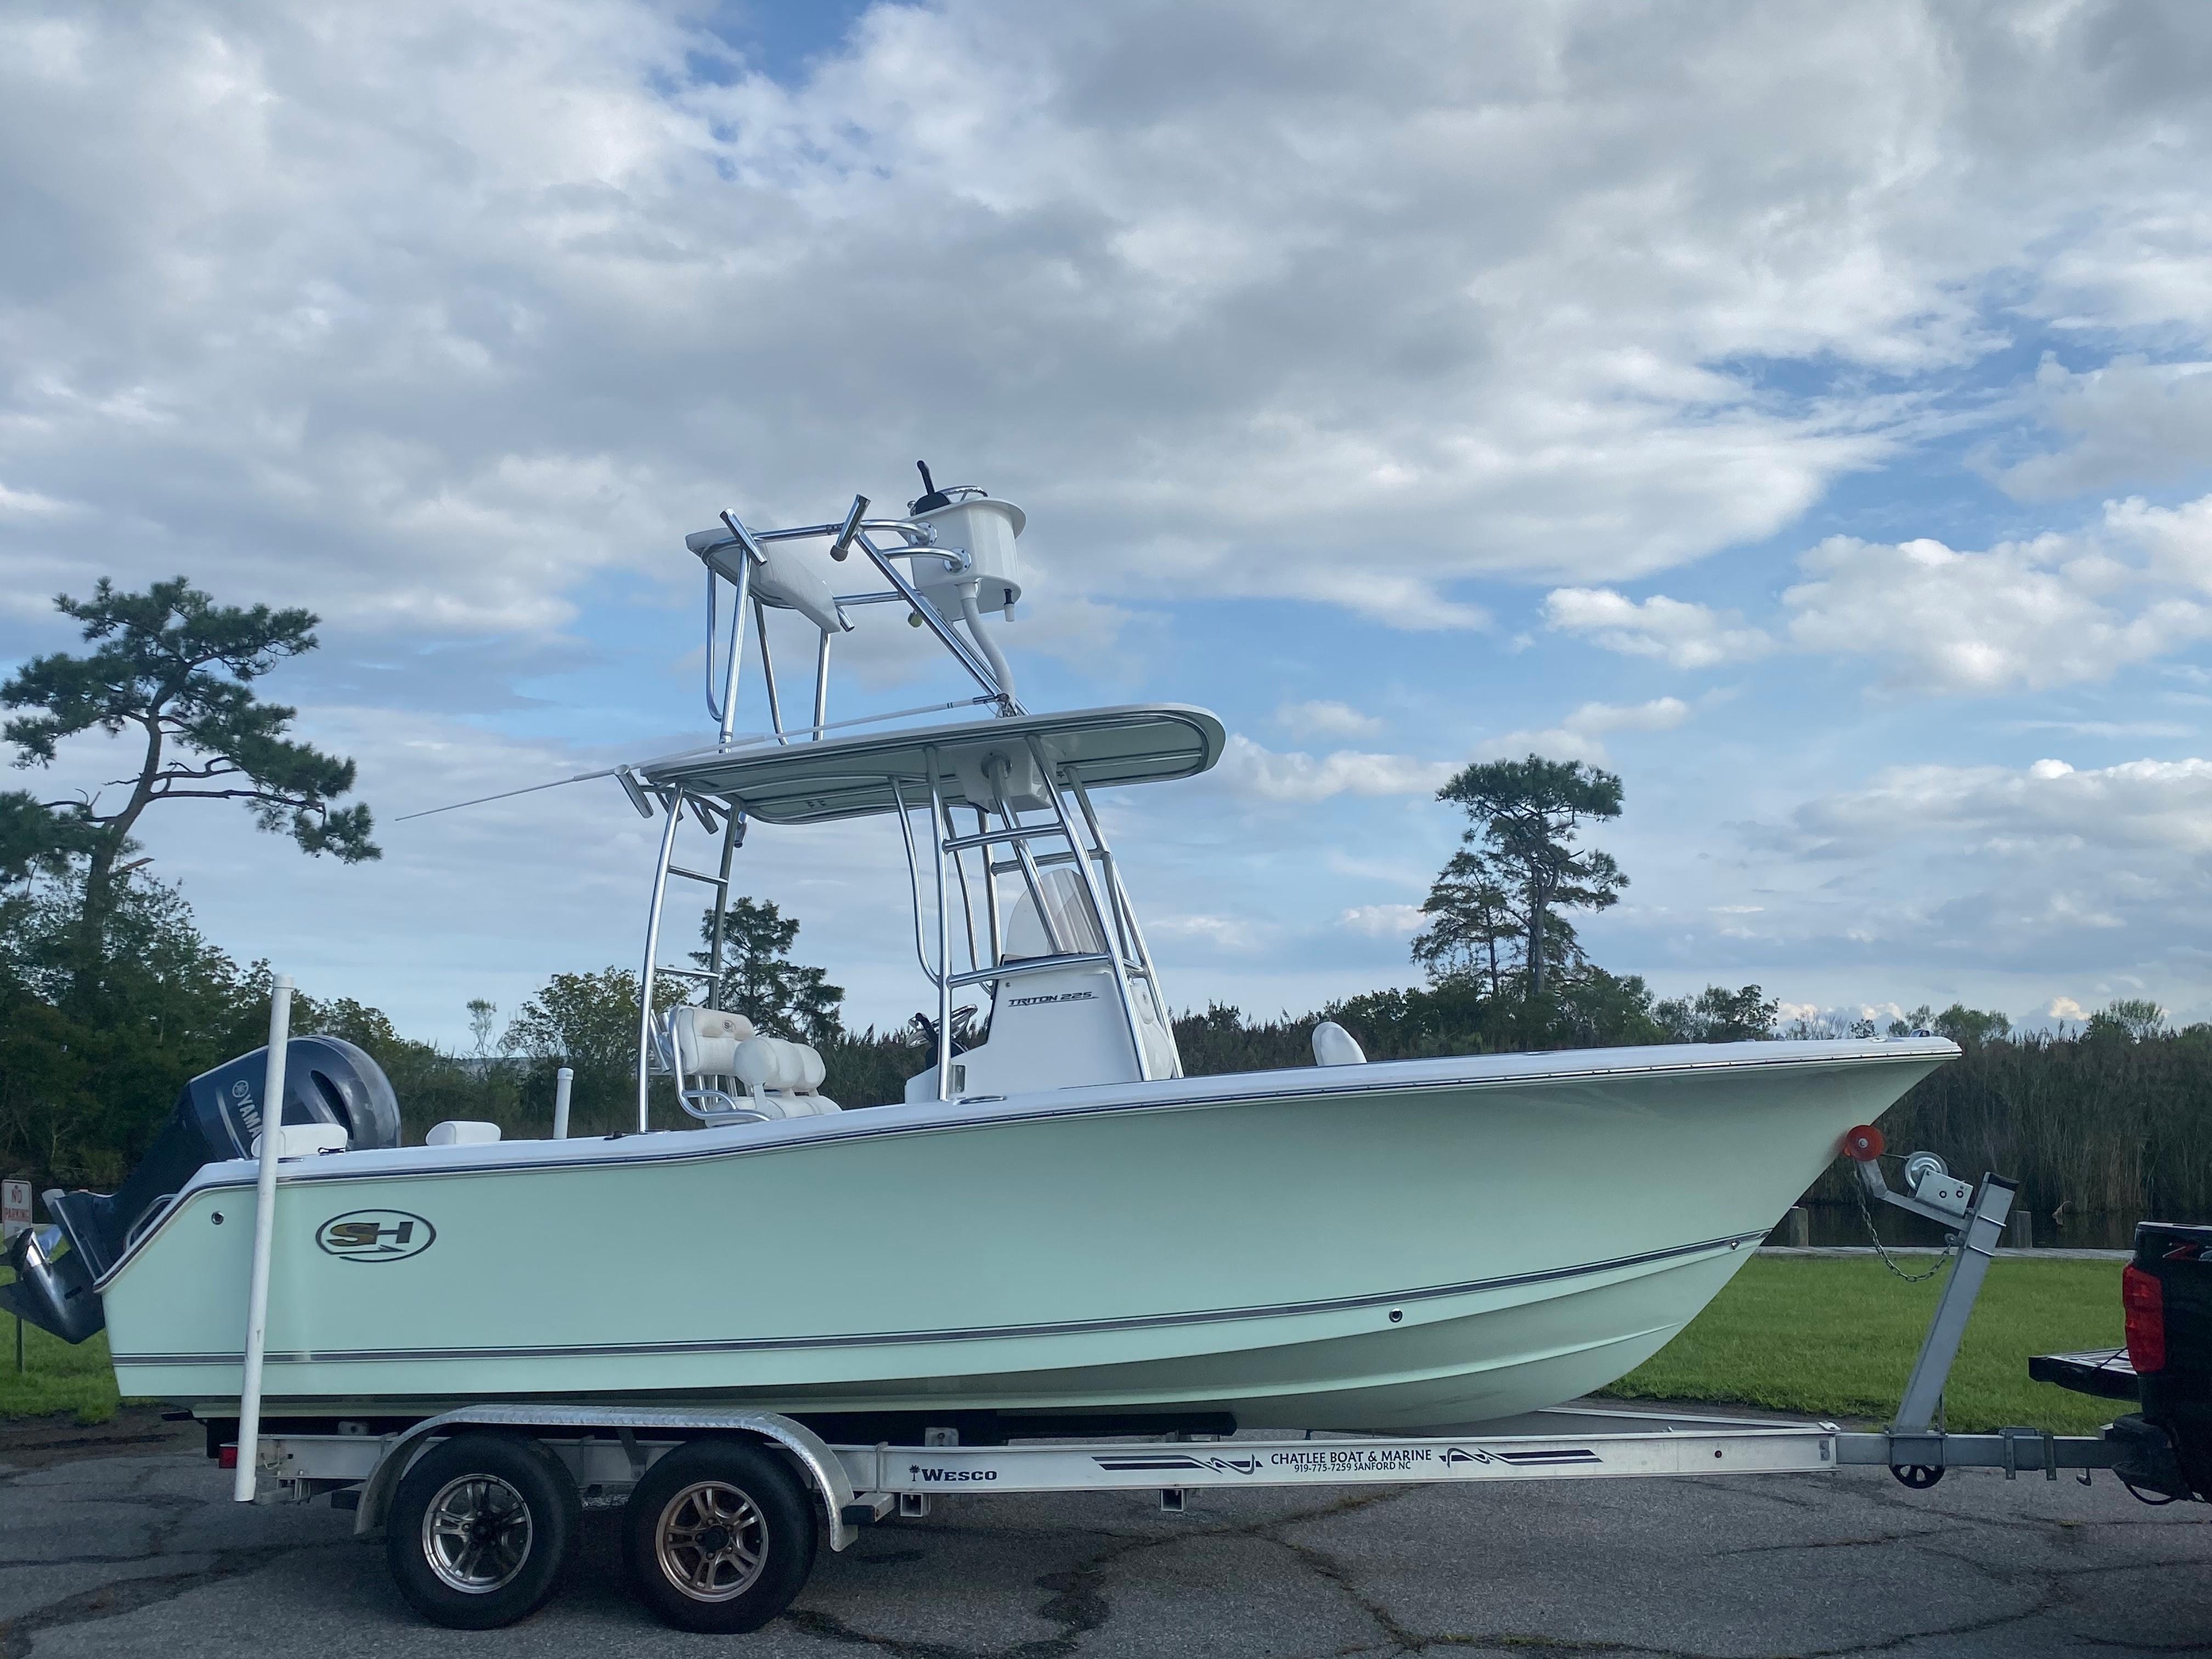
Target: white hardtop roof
{"x":813,"y":783}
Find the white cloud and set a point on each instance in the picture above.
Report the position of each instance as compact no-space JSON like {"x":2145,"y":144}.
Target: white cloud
{"x":1328,"y":719}
{"x":2131,"y":421}
{"x":28,"y":502}
{"x":1684,"y":634}
{"x":2055,"y":610}
{"x":2066,"y":1009}
{"x":457,"y":311}
{"x":1250,"y":769}
{"x":2060,"y":609}
{"x":2049,"y":807}
{"x":1581,"y":735}
{"x":1383,"y":921}
{"x":1220,"y":933}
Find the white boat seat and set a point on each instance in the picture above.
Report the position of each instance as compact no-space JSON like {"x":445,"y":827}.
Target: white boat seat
{"x":782,"y":1074}
{"x":707,"y":1040}
{"x":779,"y":1079}
{"x":778,"y":1104}
{"x":461,"y":1131}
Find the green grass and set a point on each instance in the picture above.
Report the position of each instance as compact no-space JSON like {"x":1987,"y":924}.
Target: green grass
{"x":56,"y":1377}
{"x":1823,"y":1337}
{"x":1832,"y":1338}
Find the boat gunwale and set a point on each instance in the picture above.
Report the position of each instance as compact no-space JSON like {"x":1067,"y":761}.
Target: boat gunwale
{"x":928,"y":1117}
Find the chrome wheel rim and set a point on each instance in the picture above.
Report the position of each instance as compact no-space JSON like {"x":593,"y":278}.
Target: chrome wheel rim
{"x":477,"y":1534}
{"x":712,"y":1541}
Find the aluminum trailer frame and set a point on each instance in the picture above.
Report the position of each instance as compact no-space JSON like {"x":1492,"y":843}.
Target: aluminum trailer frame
{"x":607,"y":1450}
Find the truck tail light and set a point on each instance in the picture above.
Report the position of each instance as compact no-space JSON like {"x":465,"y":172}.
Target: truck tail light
{"x":2144,"y":1299}
{"x":228,"y":1457}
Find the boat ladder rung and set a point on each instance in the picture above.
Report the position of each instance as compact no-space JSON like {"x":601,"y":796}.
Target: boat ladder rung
{"x":1033,"y":965}
{"x":989,"y":837}
{"x":700,"y":876}
{"x":1013,"y":867}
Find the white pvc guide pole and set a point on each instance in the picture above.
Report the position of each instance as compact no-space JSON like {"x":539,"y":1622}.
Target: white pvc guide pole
{"x":563,"y":1081}
{"x":264,"y":1224}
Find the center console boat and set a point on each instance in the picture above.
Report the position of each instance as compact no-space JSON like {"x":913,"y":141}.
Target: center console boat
{"x":1055,"y":1225}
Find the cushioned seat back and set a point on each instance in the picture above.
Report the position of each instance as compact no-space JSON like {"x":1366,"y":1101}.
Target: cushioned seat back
{"x":782,"y":1077}
{"x":707,"y":1041}
{"x":767,"y":1062}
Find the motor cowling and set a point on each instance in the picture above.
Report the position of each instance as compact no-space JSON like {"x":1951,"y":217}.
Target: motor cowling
{"x":326,"y":1080}
{"x":217,"y":1119}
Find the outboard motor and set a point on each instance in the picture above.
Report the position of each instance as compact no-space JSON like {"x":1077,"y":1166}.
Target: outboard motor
{"x":216,"y":1118}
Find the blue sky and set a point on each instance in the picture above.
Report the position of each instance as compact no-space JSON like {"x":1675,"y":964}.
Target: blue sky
{"x":1808,"y":418}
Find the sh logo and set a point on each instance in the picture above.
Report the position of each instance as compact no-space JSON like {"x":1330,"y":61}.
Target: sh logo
{"x":376,"y":1235}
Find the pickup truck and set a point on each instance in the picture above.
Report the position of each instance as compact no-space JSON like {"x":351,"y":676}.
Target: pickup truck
{"x":2164,"y":1450}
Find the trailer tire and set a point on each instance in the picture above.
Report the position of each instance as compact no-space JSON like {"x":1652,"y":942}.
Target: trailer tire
{"x":480,"y":1529}
{"x":718,"y":1537}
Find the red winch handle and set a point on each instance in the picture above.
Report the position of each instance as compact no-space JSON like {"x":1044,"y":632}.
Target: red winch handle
{"x":1864,"y":1143}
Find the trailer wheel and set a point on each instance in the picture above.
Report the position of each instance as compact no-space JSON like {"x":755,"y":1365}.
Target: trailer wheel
{"x":480,"y":1528}
{"x":718,"y":1537}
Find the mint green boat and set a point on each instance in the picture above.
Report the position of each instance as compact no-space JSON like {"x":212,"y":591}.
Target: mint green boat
{"x":1055,"y":1225}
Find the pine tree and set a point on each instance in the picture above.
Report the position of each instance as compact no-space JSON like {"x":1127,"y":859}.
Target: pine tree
{"x":760,"y":979}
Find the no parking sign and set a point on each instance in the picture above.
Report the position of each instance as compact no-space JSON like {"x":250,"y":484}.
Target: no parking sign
{"x":15,"y":1207}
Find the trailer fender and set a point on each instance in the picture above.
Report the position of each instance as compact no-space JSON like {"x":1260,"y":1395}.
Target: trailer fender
{"x":824,"y":1473}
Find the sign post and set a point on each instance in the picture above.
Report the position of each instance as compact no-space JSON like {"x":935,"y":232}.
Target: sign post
{"x":15,"y":1218}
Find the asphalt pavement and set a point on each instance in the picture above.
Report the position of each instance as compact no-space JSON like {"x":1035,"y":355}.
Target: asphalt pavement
{"x":125,"y":1543}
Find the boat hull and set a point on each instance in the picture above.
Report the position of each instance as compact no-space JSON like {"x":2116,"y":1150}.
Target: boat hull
{"x":1392,"y":1246}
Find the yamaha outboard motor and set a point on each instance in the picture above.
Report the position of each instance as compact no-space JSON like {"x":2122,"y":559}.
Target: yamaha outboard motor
{"x":217,"y":1118}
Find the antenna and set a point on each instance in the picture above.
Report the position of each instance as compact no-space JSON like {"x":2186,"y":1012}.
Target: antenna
{"x":931,"y":497}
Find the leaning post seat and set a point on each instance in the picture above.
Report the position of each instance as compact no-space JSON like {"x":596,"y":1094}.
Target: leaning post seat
{"x":707,"y":1040}
{"x":784,"y":1074}
{"x":773,"y":1078}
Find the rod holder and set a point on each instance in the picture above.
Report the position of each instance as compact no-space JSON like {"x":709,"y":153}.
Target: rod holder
{"x":843,"y":545}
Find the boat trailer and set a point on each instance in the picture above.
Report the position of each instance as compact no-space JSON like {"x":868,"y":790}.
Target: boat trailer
{"x":710,"y":1480}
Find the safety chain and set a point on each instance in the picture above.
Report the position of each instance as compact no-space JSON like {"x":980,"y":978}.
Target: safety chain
{"x":1858,"y":1191}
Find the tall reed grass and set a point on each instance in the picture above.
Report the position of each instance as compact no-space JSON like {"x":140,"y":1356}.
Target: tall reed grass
{"x":2101,"y":1123}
